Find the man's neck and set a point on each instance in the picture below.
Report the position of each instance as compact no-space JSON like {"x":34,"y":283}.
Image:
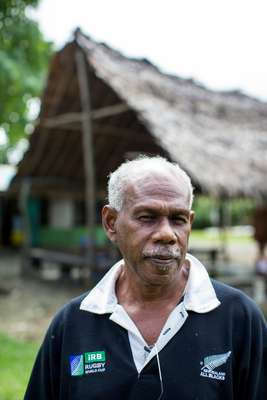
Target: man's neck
{"x":132,"y":291}
{"x":150,"y":306}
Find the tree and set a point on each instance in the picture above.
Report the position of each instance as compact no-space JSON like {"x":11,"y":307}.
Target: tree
{"x":24,"y":57}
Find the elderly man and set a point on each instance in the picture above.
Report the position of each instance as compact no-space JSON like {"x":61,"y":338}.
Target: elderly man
{"x":155,"y":327}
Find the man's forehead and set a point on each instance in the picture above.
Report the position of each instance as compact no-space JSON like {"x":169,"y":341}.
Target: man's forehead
{"x":165,"y":206}
{"x":157,"y":186}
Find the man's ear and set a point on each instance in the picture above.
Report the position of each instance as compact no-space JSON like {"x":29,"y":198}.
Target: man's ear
{"x":109,"y":217}
{"x":192,"y":217}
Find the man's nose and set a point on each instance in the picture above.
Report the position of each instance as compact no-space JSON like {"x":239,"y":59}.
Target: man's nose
{"x":164,"y":232}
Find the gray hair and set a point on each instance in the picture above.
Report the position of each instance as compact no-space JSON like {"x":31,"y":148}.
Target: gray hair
{"x":130,"y":170}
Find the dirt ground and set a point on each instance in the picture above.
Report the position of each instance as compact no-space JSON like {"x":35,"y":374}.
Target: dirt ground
{"x":27,"y":305}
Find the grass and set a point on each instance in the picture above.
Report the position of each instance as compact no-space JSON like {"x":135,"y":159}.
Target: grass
{"x":16,"y":361}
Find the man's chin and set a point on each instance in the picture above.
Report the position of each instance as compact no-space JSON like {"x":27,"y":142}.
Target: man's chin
{"x":159,"y":274}
{"x":163,"y":265}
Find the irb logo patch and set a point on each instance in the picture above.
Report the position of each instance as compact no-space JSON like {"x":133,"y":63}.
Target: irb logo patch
{"x":88,"y":363}
{"x":94,"y":357}
{"x":77,"y":365}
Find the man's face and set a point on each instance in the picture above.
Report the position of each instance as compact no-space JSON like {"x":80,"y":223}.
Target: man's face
{"x":153,"y":227}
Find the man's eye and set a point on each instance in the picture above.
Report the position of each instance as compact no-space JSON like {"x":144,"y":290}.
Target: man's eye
{"x":146,"y":218}
{"x":179,"y":219}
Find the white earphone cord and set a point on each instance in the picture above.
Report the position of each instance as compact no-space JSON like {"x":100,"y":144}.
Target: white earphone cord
{"x":160,"y":375}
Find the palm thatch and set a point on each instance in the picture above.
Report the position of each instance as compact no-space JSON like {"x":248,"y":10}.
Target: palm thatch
{"x":219,"y":138}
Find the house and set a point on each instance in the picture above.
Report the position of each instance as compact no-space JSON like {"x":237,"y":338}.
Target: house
{"x":100,"y":107}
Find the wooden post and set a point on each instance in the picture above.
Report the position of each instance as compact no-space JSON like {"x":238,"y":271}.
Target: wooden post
{"x":87,"y":134}
{"x":224,"y":227}
{"x":26,"y":268}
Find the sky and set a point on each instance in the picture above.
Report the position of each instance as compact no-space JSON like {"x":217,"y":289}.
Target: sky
{"x":6,"y":174}
{"x":219,"y":43}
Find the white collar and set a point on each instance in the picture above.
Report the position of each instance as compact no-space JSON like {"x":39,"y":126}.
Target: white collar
{"x":199,"y":295}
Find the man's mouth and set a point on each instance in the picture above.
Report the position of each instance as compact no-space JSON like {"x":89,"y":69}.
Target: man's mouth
{"x":163,"y":260}
{"x":162,"y":263}
{"x":170,"y":255}
{"x":164,"y":257}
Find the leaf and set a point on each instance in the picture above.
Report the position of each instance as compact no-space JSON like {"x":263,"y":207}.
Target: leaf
{"x":212,"y":362}
{"x":24,"y":58}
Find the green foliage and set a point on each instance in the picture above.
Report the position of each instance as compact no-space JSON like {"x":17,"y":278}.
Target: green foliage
{"x":9,"y":7}
{"x":24,"y":56}
{"x":208,"y":211}
{"x":241,"y":211}
{"x":205,"y":212}
{"x":16,"y":361}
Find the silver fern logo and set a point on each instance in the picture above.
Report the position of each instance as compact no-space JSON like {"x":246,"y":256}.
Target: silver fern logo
{"x":210,"y":363}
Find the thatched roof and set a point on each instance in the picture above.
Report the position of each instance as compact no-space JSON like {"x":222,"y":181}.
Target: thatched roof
{"x":219,"y":138}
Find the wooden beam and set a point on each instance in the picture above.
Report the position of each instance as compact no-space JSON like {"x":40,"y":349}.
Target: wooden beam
{"x":62,"y":257}
{"x":87,"y":134}
{"x":109,"y":111}
{"x":74,"y":117}
{"x":59,"y":120}
{"x":109,"y":130}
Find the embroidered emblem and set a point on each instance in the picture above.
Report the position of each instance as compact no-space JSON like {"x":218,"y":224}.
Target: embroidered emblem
{"x":212,"y":362}
{"x":95,"y":356}
{"x":88,"y":363}
{"x":76,"y":365}
{"x":95,"y":361}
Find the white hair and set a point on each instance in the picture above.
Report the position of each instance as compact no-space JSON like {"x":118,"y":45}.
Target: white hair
{"x":129,"y":171}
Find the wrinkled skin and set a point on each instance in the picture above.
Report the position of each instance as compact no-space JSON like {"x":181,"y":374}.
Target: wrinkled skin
{"x":152,"y":230}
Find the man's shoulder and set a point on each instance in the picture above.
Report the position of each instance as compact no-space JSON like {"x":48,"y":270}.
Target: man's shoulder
{"x":73,"y":304}
{"x":222,"y":289}
{"x":236,"y":300}
{"x":226,"y":293}
{"x":69,"y":310}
